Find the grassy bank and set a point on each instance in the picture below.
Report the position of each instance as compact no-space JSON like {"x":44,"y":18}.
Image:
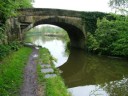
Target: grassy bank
{"x":55,"y":85}
{"x":11,"y":72}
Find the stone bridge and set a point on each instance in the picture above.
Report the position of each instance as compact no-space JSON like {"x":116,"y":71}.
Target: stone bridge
{"x":71,"y":21}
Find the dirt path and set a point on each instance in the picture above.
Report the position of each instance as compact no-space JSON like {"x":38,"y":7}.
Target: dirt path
{"x":30,"y":85}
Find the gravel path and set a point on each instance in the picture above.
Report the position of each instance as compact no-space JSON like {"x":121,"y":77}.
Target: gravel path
{"x":30,"y":86}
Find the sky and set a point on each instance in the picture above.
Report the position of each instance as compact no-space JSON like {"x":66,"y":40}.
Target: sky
{"x":78,"y":5}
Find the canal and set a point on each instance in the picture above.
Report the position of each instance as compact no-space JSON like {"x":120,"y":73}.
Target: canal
{"x":85,"y":74}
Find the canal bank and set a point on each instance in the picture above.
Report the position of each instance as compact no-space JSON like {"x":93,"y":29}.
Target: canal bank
{"x":49,"y":77}
{"x":82,"y":71}
{"x":21,"y":74}
{"x":11,"y":72}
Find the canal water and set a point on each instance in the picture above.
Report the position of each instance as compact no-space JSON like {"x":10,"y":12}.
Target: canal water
{"x":85,"y":74}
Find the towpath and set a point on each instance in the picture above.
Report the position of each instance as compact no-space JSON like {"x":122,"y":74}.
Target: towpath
{"x":30,"y":85}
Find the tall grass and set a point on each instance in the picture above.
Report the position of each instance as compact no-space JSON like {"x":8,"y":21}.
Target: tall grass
{"x":11,"y":72}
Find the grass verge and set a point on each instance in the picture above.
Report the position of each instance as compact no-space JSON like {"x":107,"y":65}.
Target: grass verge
{"x":11,"y":72}
{"x":54,"y":86}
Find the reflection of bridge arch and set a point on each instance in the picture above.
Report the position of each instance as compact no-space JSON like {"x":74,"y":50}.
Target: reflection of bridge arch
{"x":91,"y":70}
{"x":74,"y":76}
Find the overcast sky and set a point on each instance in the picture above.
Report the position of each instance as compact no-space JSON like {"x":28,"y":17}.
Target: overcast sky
{"x":79,"y":5}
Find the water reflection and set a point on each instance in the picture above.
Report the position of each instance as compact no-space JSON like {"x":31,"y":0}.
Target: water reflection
{"x":117,"y":88}
{"x":56,"y":46}
{"x":90,"y":90}
{"x":87,"y":75}
{"x":83,"y":71}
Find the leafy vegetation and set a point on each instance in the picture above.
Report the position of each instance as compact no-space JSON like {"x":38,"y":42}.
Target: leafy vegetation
{"x":110,"y":37}
{"x":11,"y":72}
{"x":2,"y":35}
{"x":8,"y":9}
{"x":5,"y":49}
{"x":90,"y":19}
{"x":54,"y":86}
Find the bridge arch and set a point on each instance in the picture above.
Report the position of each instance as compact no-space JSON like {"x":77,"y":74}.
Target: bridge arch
{"x":77,"y":37}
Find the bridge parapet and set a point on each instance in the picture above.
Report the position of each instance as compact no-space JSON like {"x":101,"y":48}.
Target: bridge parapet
{"x":48,"y":12}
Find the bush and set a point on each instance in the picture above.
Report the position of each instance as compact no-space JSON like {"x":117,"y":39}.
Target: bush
{"x":92,"y":43}
{"x":110,"y":37}
{"x":15,"y":45}
{"x":6,"y":49}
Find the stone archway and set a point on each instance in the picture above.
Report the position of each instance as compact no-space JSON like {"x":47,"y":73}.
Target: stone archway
{"x":70,"y":21}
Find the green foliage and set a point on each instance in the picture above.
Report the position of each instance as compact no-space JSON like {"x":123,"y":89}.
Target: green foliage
{"x":25,"y":3}
{"x":90,"y":20}
{"x":11,"y":72}
{"x":15,"y":45}
{"x":55,"y":87}
{"x":45,"y":54}
{"x":2,"y":34}
{"x":120,"y":47}
{"x":92,"y":43}
{"x":110,"y":37}
{"x":8,"y":7}
{"x":105,"y":35}
{"x":6,"y":49}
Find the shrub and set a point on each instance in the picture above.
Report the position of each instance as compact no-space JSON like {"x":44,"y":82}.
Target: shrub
{"x":7,"y":48}
{"x":4,"y":50}
{"x":110,"y":37}
{"x":15,"y":45}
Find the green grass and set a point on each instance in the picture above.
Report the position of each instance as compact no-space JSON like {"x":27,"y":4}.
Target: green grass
{"x":11,"y":72}
{"x":56,"y":87}
{"x":45,"y":56}
{"x":53,"y":86}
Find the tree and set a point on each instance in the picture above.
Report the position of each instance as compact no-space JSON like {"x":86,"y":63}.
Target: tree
{"x":119,"y":5}
{"x":8,"y":7}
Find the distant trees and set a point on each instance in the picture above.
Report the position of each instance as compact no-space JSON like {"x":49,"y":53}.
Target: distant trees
{"x":48,"y":30}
